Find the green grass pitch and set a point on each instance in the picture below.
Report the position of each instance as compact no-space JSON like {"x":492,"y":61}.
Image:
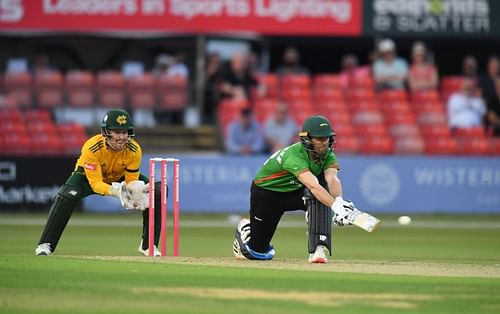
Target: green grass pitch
{"x":438,"y":264}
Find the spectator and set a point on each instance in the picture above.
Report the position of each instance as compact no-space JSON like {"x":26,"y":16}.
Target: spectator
{"x":390,"y":71}
{"x":351,"y":71}
{"x":162,"y":63}
{"x":177,"y":67}
{"x":487,"y":81}
{"x":422,"y":75}
{"x":493,"y":115}
{"x":280,"y":130}
{"x":244,"y":135}
{"x":213,"y":80}
{"x":237,"y":81}
{"x":41,"y":63}
{"x":465,"y":109}
{"x":291,"y":63}
{"x":469,"y":67}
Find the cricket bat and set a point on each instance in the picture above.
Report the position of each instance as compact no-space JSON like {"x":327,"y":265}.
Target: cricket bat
{"x":366,"y":222}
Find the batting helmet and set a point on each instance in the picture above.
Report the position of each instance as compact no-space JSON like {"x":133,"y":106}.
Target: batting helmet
{"x":117,"y":119}
{"x":316,"y":126}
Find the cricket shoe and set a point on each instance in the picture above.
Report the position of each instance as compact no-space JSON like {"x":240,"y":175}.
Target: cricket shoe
{"x":146,"y":251}
{"x":43,"y":249}
{"x":319,"y":256}
{"x":241,"y":247}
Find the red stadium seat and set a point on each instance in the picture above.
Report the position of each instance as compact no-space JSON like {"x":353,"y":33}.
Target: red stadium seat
{"x":173,"y":91}
{"x":362,"y":106}
{"x":425,"y":118}
{"x":327,"y":81}
{"x":331,"y":105}
{"x":80,"y":86}
{"x":495,"y":146}
{"x":13,"y":126}
{"x":435,"y":131}
{"x":337,"y":117}
{"x":394,"y":107}
{"x":400,"y":118}
{"x":419,"y":97}
{"x":296,"y":94}
{"x":72,"y":137}
{"x":270,"y":83}
{"x":16,"y":144}
{"x":440,"y":146}
{"x":46,"y":144}
{"x":473,"y":132}
{"x":409,"y":145}
{"x":376,"y":145}
{"x":473,"y":146}
{"x":49,"y":89}
{"x":367,"y":117}
{"x":20,"y":85}
{"x":141,"y":91}
{"x":10,"y":114}
{"x":404,"y":130}
{"x":361,"y":95}
{"x":324,"y":94}
{"x":264,"y":108}
{"x":111,"y":89}
{"x":343,"y":130}
{"x":295,"y":81}
{"x":375,"y":130}
{"x":9,"y":101}
{"x":36,"y":115}
{"x":346,"y":145}
{"x":387,"y":96}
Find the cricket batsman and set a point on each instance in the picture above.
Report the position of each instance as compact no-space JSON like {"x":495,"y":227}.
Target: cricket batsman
{"x":109,"y":166}
{"x":302,"y":176}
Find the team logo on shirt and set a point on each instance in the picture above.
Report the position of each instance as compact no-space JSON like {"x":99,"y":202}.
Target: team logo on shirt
{"x":121,"y":119}
{"x":89,"y":166}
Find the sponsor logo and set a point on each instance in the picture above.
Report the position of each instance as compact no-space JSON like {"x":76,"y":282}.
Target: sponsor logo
{"x":90,"y":166}
{"x":73,"y":192}
{"x":323,"y":124}
{"x":7,"y":171}
{"x":11,"y":11}
{"x":456,"y":16}
{"x":379,"y":184}
{"x":322,"y":237}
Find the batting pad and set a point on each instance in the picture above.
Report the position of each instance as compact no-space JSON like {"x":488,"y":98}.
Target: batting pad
{"x":319,"y":223}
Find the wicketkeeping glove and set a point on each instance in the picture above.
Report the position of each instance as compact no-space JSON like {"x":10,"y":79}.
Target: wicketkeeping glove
{"x":137,"y":195}
{"x":119,"y":190}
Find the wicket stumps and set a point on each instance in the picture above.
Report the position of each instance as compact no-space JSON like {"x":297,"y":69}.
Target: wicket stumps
{"x":163,"y":186}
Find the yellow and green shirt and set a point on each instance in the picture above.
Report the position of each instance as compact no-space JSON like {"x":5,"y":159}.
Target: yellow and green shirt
{"x":103,"y":166}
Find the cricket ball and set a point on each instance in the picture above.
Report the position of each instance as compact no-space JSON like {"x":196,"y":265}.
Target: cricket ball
{"x":404,"y":220}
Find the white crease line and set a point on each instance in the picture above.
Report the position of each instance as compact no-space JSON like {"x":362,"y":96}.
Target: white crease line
{"x":82,"y":222}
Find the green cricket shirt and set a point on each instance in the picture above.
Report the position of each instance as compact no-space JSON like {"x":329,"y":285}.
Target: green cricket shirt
{"x":280,"y":171}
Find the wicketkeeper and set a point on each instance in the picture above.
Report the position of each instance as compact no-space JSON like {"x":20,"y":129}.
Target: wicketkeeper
{"x":109,"y":166}
{"x":302,"y":176}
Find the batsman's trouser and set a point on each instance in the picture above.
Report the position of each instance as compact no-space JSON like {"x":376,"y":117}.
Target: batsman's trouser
{"x":69,"y":196}
{"x":266,"y":209}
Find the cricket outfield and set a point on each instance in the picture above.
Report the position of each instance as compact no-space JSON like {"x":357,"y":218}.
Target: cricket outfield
{"x":438,"y":264}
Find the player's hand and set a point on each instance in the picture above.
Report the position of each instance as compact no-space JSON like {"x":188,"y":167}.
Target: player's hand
{"x":342,"y":210}
{"x":137,"y":196}
{"x":119,"y":190}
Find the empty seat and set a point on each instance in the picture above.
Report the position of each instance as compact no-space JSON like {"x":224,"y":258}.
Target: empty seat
{"x":393,"y":96}
{"x":324,"y":94}
{"x":331,"y":105}
{"x":337,"y":117}
{"x":375,"y":145}
{"x":80,"y":86}
{"x":269,"y":82}
{"x":404,"y":130}
{"x":46,"y":144}
{"x":419,"y":97}
{"x":361,"y":95}
{"x":49,"y":89}
{"x":367,"y":117}
{"x":346,"y":145}
{"x":435,"y":131}
{"x":440,"y":146}
{"x":36,"y":115}
{"x":20,"y":85}
{"x":9,"y":101}
{"x":367,"y":130}
{"x":362,"y":106}
{"x":141,"y":91}
{"x":327,"y":81}
{"x":431,"y":118}
{"x":472,"y":132}
{"x":264,"y":108}
{"x":409,"y":145}
{"x":495,"y":146}
{"x":173,"y":92}
{"x":473,"y":146}
{"x":110,"y":89}
{"x":16,"y":144}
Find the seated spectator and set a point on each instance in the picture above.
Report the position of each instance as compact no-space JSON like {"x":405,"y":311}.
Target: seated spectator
{"x":213,"y":80}
{"x":41,"y":63}
{"x":487,"y":81}
{"x":465,"y":109}
{"x":390,"y":72}
{"x":237,"y":81}
{"x":469,"y":67}
{"x":177,"y":67}
{"x":244,"y":135}
{"x":280,"y":130}
{"x":493,"y":115}
{"x":351,"y":71}
{"x":162,"y":63}
{"x":423,"y":75}
{"x":291,"y":63}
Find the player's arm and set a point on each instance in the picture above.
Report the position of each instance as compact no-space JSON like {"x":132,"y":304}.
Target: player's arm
{"x":333,"y":181}
{"x":93,"y":173}
{"x":132,"y":170}
{"x":309,"y":180}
